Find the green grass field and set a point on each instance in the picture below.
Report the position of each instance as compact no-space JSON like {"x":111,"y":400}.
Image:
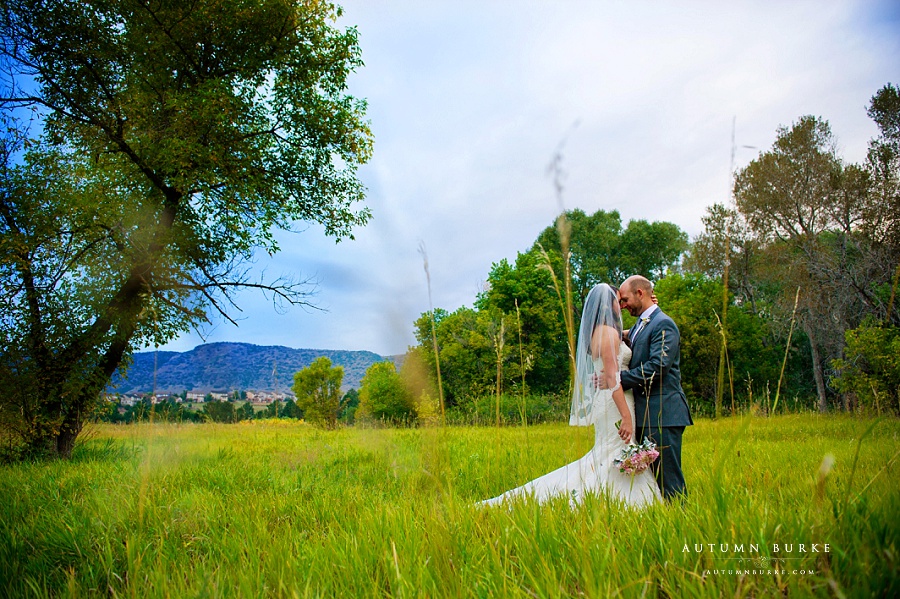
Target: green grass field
{"x":281,"y":509}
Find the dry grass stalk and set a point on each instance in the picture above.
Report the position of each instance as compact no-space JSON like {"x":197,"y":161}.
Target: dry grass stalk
{"x":437,"y":356}
{"x":723,"y":359}
{"x":499,"y":343}
{"x":724,"y":366}
{"x":787,"y":349}
{"x":720,"y":386}
{"x":565,"y":234}
{"x":521,"y":365}
{"x":731,"y":383}
{"x":564,"y":228}
{"x":564,"y":306}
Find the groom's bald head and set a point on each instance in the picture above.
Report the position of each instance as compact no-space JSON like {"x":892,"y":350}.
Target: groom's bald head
{"x":635,"y":294}
{"x":635,"y":282}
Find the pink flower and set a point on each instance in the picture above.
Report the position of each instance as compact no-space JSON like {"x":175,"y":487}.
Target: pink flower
{"x":634,"y":459}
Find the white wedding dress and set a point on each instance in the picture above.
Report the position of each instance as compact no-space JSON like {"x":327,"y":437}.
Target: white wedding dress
{"x":595,"y":472}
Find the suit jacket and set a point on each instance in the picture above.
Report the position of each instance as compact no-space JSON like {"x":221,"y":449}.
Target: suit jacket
{"x":654,"y":375}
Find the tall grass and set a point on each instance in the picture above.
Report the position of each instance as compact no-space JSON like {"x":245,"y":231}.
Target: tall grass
{"x":281,"y":509}
{"x":787,"y":348}
{"x":723,"y":321}
{"x":434,"y":340}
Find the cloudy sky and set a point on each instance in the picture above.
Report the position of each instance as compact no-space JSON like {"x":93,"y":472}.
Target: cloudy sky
{"x":470,"y":101}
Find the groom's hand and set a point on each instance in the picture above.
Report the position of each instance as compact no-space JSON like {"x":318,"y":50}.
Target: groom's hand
{"x":599,"y":383}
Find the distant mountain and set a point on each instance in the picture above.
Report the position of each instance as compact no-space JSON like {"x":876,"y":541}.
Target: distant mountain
{"x":226,"y":367}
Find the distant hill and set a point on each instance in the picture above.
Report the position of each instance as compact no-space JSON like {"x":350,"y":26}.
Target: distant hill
{"x":226,"y":367}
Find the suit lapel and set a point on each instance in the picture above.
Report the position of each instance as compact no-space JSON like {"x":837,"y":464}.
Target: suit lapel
{"x":643,"y":341}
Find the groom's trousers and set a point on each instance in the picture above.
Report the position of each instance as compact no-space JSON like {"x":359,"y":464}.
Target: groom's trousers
{"x":667,"y":468}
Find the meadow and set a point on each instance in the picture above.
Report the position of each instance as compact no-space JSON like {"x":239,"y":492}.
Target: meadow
{"x":282,"y":509}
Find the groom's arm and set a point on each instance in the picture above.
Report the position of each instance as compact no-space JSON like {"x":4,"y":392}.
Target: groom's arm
{"x":664,"y":340}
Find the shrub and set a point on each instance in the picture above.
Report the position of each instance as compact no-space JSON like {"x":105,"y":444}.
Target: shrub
{"x":870,"y":369}
{"x":318,"y":391}
{"x":384,"y":396}
{"x":534,"y":408}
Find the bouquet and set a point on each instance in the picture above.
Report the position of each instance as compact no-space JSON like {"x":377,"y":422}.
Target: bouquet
{"x":636,"y":458}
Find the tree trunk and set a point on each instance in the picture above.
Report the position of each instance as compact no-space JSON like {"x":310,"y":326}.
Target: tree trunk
{"x":818,"y":372}
{"x":73,"y":421}
{"x":52,"y":432}
{"x":75,"y":393}
{"x":65,"y":441}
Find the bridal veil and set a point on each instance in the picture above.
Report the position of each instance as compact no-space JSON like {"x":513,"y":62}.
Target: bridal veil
{"x":601,"y":308}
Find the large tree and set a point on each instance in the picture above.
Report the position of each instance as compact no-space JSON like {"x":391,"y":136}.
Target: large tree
{"x":822,"y":226}
{"x":384,"y":396}
{"x":469,"y":345}
{"x":603,"y":252}
{"x":175,"y":139}
{"x":318,"y":391}
{"x":882,"y":217}
{"x":594,"y":242}
{"x":789,"y":195}
{"x":650,"y":249}
{"x":526,"y":294}
{"x":726,"y":245}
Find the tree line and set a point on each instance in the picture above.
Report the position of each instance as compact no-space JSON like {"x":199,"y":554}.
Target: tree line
{"x":384,"y":396}
{"x":787,"y":295}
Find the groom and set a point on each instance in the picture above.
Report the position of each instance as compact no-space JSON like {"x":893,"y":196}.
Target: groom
{"x":660,"y":406}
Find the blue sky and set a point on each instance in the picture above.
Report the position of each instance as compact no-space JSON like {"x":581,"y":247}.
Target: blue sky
{"x":469,"y":101}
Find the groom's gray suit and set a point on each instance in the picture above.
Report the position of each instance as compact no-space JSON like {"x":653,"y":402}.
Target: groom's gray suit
{"x":660,"y":406}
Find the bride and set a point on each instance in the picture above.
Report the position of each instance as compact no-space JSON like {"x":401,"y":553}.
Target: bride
{"x":601,"y":354}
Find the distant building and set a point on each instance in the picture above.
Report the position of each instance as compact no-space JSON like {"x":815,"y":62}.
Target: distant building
{"x":129,"y":400}
{"x":266,"y":397}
